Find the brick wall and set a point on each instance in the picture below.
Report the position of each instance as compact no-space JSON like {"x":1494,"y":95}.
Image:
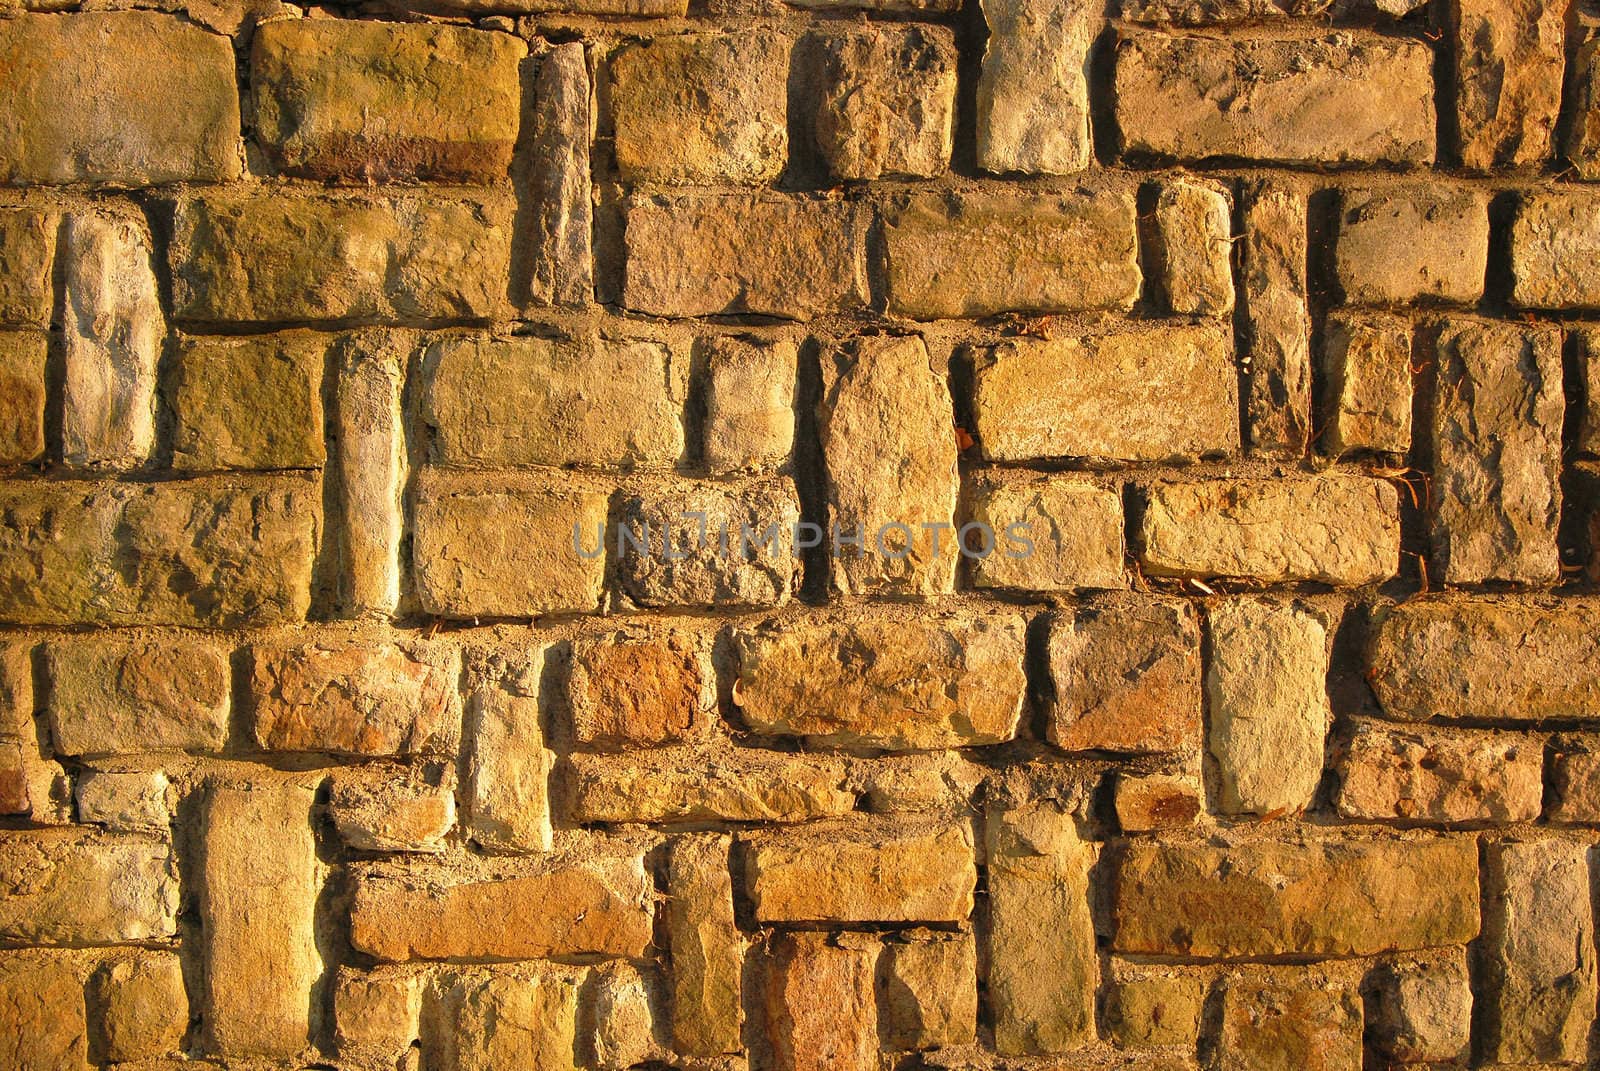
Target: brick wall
{"x":348,"y":718}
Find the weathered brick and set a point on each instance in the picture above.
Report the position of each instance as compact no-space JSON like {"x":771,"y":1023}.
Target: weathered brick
{"x":1367,"y":366}
{"x":1422,"y":1007}
{"x":1340,"y":98}
{"x":881,"y":101}
{"x":1276,"y":338}
{"x":1497,"y":452}
{"x":1229,"y":13}
{"x":1555,"y":250}
{"x":368,"y":471}
{"x":980,"y":254}
{"x":869,"y":874}
{"x":1126,"y":677}
{"x":1109,"y":395}
{"x":73,"y":887}
{"x":32,"y":783}
{"x":1583,"y":138}
{"x":197,"y":552}
{"x":504,"y":1018}
{"x":266,"y":257}
{"x":927,"y":985}
{"x":639,"y":689}
{"x":685,"y":785}
{"x":1288,"y":1019}
{"x":709,"y":253}
{"x":1046,"y":533}
{"x":702,"y":108}
{"x":1586,"y":350}
{"x":1401,"y":244}
{"x":377,"y":1014}
{"x":1335,"y":528}
{"x":1266,"y":686}
{"x":124,"y":801}
{"x":881,"y":681}
{"x":506,"y":547}
{"x":622,"y":1033}
{"x":890,"y":451}
{"x":599,"y":907}
{"x":42,"y":1007}
{"x":144,"y":1011}
{"x":817,"y":1002}
{"x":248,"y":403}
{"x":149,"y":691}
{"x":1033,"y":90}
{"x":749,"y":402}
{"x":508,"y":767}
{"x":1152,"y":803}
{"x":1042,"y":966}
{"x":409,"y":809}
{"x":706,"y":946}
{"x":144,"y":99}
{"x":1419,"y":775}
{"x":1151,"y":1008}
{"x":1509,"y":56}
{"x":27,"y":251}
{"x":1194,"y":235}
{"x":22,"y":396}
{"x":1575,"y":786}
{"x":559,"y":183}
{"x":377,"y":101}
{"x":1295,"y":897}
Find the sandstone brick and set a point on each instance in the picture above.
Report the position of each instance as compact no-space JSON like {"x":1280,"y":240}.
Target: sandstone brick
{"x":890,"y":452}
{"x":1583,"y":138}
{"x":1276,"y":338}
{"x":266,"y":257}
{"x":1367,"y":365}
{"x":1421,"y":775}
{"x":1295,"y":897}
{"x":508,"y":766}
{"x":883,"y":6}
{"x":1232,"y":12}
{"x":927,"y":986}
{"x":1399,"y":245}
{"x":621,"y":1028}
{"x":118,"y":692}
{"x":148,"y":98}
{"x":1539,"y":983}
{"x":1497,"y":453}
{"x":368,"y":472}
{"x":1152,"y":803}
{"x":377,"y":1014}
{"x":143,"y":1008}
{"x":1110,"y":395}
{"x":1033,"y":90}
{"x":749,"y":402}
{"x":704,"y":254}
{"x":981,"y":254}
{"x":1042,"y":966}
{"x":923,"y":782}
{"x":42,"y":1007}
{"x":705,"y":543}
{"x":354,"y":693}
{"x":22,"y":396}
{"x":706,"y":946}
{"x":1289,"y":1019}
{"x":683,"y":785}
{"x":817,"y":1002}
{"x":248,"y":403}
{"x":1508,"y":66}
{"x":638,"y":689}
{"x":111,"y":341}
{"x":1340,"y":98}
{"x":1575,"y":786}
{"x":72,"y":887}
{"x":1335,"y":528}
{"x":1266,"y":689}
{"x":702,"y":108}
{"x":505,"y":1019}
{"x":1422,"y":1007}
{"x":1155,"y":1009}
{"x":559,"y":183}
{"x":1126,"y":677}
{"x":881,"y":100}
{"x":882,"y":682}
{"x":506,"y":547}
{"x":124,"y":801}
{"x":1047,"y":533}
{"x":1194,"y":235}
{"x":258,"y":894}
{"x":874,"y":874}
{"x":644,"y":9}
{"x":31,"y":782}
{"x":405,"y":810}
{"x":27,"y":251}
{"x":1586,"y":349}
{"x":1555,"y":250}
{"x":376,"y":101}
{"x":600,"y":907}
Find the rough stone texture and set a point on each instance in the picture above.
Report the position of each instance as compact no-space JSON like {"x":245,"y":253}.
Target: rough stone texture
{"x":1295,"y":897}
{"x":1575,"y":787}
{"x":1155,"y":802}
{"x":818,"y":1006}
{"x":504,"y":1019}
{"x":927,"y":986}
{"x":1230,"y":12}
{"x":702,"y":109}
{"x":750,"y":387}
{"x":27,"y":250}
{"x":1033,"y":89}
{"x":591,"y":401}
{"x":1292,"y":1019}
{"x":1109,"y":395}
{"x":1425,"y":776}
{"x":264,"y":257}
{"x":368,"y":473}
{"x":23,"y":358}
{"x":508,"y":766}
{"x":170,"y":115}
{"x":41,"y":1003}
{"x":1538,"y":935}
{"x":1126,"y":677}
{"x":879,"y":391}
{"x":1585,"y":343}
{"x":124,"y":801}
{"x":72,"y":887}
{"x":1555,"y":250}
{"x":875,"y":874}
{"x":559,"y":183}
{"x":250,"y":403}
{"x":883,"y":682}
{"x":1408,"y":243}
{"x":1335,"y":528}
{"x":981,"y":254}
{"x":197,"y":552}
{"x":1423,"y":1007}
{"x":1367,"y":366}
{"x":1194,"y":235}
{"x":31,"y":782}
{"x":400,"y":812}
{"x":1043,"y":969}
{"x":376,"y":1014}
{"x":1337,"y":99}
{"x":118,"y":692}
{"x":1583,"y":139}
{"x":1497,"y":453}
{"x":628,"y":691}
{"x":1509,"y":56}
{"x":1047,"y":533}
{"x":623,"y":1030}
{"x":375,"y":102}
{"x":144,"y":1011}
{"x":706,"y":946}
{"x":1266,"y":690}
{"x":1276,"y":339}
{"x":691,"y":786}
{"x":1155,"y":1009}
{"x":710,"y":253}
{"x":883,"y":101}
